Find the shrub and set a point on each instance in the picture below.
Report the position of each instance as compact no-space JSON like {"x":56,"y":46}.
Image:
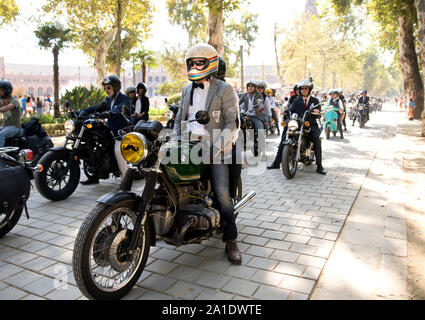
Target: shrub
{"x":81,"y":97}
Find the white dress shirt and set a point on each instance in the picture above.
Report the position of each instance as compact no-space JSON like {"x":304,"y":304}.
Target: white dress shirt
{"x":199,"y":100}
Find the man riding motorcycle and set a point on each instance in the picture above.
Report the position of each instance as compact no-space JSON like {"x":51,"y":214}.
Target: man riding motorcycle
{"x":278,"y":159}
{"x":114,"y":102}
{"x":344,"y":107}
{"x":300,"y":106}
{"x":364,"y":99}
{"x":252,"y":105}
{"x":11,"y":111}
{"x":261,"y":88}
{"x":220,"y":101}
{"x":335,"y":104}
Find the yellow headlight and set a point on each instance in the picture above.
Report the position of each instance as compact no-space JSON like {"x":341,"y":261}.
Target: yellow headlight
{"x":134,"y":147}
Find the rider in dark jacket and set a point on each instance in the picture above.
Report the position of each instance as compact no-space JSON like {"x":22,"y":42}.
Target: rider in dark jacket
{"x":113,"y":103}
{"x":300,"y":106}
{"x":278,"y":159}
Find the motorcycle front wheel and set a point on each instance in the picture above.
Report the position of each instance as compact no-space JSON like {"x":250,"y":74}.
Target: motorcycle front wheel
{"x":102,"y":269}
{"x":289,"y":162}
{"x":56,"y":182}
{"x":8,"y":222}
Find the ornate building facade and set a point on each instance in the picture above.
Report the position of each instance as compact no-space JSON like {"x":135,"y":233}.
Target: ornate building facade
{"x":310,"y":9}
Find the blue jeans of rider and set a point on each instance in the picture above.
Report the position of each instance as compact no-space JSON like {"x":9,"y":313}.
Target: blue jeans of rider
{"x":7,"y":132}
{"x":220,"y":185}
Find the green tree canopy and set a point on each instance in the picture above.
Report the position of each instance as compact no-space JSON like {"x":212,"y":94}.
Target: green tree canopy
{"x":93,"y":21}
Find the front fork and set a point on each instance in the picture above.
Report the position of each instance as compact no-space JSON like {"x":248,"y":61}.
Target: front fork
{"x":143,"y":205}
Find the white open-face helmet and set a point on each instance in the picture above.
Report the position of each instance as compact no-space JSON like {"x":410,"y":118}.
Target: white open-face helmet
{"x":206,"y":63}
{"x":306,"y":83}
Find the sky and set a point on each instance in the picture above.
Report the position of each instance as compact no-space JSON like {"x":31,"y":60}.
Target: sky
{"x":19,"y":44}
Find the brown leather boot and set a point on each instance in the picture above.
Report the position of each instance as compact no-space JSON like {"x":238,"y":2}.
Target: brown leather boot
{"x":233,"y":253}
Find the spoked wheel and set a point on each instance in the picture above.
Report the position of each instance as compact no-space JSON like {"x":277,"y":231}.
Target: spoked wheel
{"x":8,"y":221}
{"x":89,"y":170}
{"x":59,"y":178}
{"x":289,"y":162}
{"x":103,"y":268}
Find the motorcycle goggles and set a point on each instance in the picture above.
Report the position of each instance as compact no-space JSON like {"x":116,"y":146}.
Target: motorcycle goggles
{"x":206,"y":67}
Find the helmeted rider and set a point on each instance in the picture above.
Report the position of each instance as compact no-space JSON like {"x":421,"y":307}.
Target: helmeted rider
{"x":141,"y":107}
{"x":364,"y":100}
{"x":218,"y":98}
{"x":114,"y":102}
{"x":11,"y":110}
{"x":335,"y":104}
{"x":344,"y":103}
{"x":252,"y":106}
{"x":300,"y":106}
{"x":131,"y":93}
{"x":267,"y":114}
{"x":273,"y":99}
{"x":278,"y":159}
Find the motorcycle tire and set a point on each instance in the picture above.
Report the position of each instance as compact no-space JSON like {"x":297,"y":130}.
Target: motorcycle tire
{"x":88,"y":170}
{"x":361,"y":124}
{"x":288,"y":156}
{"x":41,"y":179}
{"x":83,"y":253}
{"x":328,"y":132}
{"x":8,"y":223}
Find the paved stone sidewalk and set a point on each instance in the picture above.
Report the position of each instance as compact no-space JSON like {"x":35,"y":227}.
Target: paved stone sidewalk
{"x":286,"y":234}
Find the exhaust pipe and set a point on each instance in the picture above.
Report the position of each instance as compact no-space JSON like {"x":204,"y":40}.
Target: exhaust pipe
{"x":244,"y":201}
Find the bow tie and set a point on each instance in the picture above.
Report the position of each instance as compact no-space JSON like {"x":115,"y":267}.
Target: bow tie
{"x":198,"y":85}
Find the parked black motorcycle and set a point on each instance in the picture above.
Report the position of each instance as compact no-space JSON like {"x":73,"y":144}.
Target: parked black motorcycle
{"x":176,"y":206}
{"x":32,"y":136}
{"x":15,"y":182}
{"x":92,"y":144}
{"x":298,"y":147}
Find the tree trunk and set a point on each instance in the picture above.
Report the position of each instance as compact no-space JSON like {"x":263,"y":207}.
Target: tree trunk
{"x":279,"y":76}
{"x":420,"y":9}
{"x":409,"y":63}
{"x":144,"y":72}
{"x":118,"y":38}
{"x":215,"y":25}
{"x":100,"y":54}
{"x":56,"y":81}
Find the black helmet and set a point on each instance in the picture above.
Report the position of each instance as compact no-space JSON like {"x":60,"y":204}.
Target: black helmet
{"x":221,"y":72}
{"x":8,"y":88}
{"x":141,"y":85}
{"x":296,"y":87}
{"x":114,"y":81}
{"x":363,"y":91}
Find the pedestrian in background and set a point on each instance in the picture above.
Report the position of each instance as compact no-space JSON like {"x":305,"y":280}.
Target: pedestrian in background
{"x":39,"y":106}
{"x":23,"y":105}
{"x":412,"y":104}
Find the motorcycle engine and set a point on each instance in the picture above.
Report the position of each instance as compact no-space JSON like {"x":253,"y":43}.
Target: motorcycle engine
{"x":205,"y":218}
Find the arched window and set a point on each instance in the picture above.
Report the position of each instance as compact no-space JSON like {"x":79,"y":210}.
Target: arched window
{"x":40,"y":91}
{"x":163,"y":79}
{"x":150,"y":79}
{"x":156,"y":79}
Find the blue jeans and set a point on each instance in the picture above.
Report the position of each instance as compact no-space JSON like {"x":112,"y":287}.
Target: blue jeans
{"x":7,"y":132}
{"x":219,"y":174}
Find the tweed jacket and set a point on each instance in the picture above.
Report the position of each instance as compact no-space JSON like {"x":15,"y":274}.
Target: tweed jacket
{"x":223,"y":109}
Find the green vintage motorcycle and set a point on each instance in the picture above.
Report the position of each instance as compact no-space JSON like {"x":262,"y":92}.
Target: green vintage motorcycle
{"x":176,"y":206}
